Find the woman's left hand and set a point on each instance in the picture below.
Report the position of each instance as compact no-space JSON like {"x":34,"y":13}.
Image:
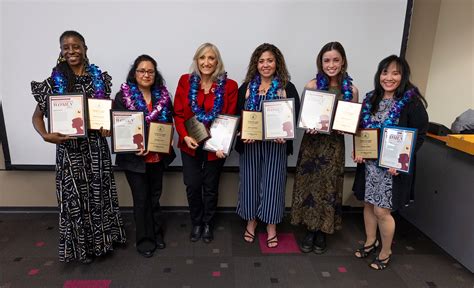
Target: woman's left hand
{"x":280,"y":141}
{"x":105,"y":133}
{"x":393,"y":171}
{"x":220,"y":154}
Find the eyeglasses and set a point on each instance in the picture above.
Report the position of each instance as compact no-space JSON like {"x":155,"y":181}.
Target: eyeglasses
{"x":142,"y":72}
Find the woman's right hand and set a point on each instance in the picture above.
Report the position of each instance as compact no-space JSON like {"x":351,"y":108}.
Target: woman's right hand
{"x":248,"y":141}
{"x":357,"y":159}
{"x":311,"y":131}
{"x":56,"y":138}
{"x":190,"y":142}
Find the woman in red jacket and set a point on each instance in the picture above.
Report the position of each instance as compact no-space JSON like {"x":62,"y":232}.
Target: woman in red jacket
{"x":203,"y":94}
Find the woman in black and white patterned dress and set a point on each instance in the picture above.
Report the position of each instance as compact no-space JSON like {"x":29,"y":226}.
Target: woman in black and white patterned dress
{"x":395,"y":101}
{"x":89,"y":217}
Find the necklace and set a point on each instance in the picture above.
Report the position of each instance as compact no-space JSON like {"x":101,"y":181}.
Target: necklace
{"x":60,"y":82}
{"x":322,"y":83}
{"x":200,"y":113}
{"x":133,"y":100}
{"x":253,"y":102}
{"x":393,"y":114}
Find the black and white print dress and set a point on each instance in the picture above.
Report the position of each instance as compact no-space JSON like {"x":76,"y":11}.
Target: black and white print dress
{"x":89,"y":216}
{"x":378,"y":183}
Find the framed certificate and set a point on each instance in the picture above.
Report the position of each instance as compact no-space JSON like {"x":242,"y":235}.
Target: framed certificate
{"x":317,"y":110}
{"x":396,"y":148}
{"x":278,"y":119}
{"x":252,"y":125}
{"x":160,"y":136}
{"x":128,"y":131}
{"x":197,"y":130}
{"x":366,"y":143}
{"x":223,"y":130}
{"x":346,"y":118}
{"x":99,"y":113}
{"x":66,"y":114}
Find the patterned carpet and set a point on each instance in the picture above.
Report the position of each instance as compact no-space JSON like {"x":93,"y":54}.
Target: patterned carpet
{"x":28,"y":258}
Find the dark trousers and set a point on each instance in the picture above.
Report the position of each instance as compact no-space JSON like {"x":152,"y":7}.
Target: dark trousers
{"x":201,"y":178}
{"x":146,"y":191}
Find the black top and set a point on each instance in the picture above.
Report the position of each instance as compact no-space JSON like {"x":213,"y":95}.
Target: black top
{"x":291,"y":92}
{"x":413,"y":115}
{"x":130,"y":161}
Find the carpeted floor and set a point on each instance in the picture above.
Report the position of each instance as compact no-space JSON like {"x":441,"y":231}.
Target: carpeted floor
{"x":28,"y":258}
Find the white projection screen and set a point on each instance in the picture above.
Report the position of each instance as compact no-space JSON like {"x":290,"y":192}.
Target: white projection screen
{"x":116,"y":32}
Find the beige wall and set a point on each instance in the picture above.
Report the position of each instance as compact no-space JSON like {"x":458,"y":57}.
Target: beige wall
{"x":449,"y":89}
{"x":440,"y":47}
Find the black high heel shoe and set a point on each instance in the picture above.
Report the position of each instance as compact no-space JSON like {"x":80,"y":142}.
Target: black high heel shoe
{"x":380,"y":264}
{"x":365,"y":251}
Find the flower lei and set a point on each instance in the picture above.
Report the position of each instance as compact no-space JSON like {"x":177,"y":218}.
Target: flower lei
{"x":133,"y":100}
{"x":323,"y":84}
{"x":60,"y":82}
{"x":253,"y":103}
{"x":200,"y":113}
{"x":393,"y":114}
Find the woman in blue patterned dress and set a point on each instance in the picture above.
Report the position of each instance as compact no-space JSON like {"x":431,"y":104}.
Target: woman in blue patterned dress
{"x":89,"y":216}
{"x":395,"y":101}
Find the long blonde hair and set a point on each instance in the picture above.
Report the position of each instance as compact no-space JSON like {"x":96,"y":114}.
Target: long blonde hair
{"x":199,"y":52}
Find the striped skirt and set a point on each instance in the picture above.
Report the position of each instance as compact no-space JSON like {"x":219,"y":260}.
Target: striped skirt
{"x":262,"y":182}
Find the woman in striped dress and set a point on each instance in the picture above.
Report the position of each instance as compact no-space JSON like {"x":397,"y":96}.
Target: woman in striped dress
{"x":263,"y":163}
{"x":89,"y":216}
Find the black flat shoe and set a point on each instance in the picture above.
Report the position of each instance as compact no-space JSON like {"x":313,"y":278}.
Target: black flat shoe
{"x":319,"y":246}
{"x":195,"y":233}
{"x":160,"y":242}
{"x":207,"y":235}
{"x":146,"y":254}
{"x":306,"y":245}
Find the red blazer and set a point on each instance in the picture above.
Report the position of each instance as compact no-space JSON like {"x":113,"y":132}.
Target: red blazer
{"x":182,"y":108}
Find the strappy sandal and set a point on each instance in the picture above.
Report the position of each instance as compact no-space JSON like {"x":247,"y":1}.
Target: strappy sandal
{"x":271,"y":241}
{"x":248,"y":235}
{"x":365,"y":251}
{"x":380,"y":264}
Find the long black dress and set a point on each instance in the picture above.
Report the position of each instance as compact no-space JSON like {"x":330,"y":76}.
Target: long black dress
{"x":89,"y":216}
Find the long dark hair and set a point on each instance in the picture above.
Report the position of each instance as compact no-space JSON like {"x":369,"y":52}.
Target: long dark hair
{"x":329,"y":47}
{"x":159,"y":81}
{"x":62,"y":65}
{"x":404,"y":86}
{"x":281,"y":71}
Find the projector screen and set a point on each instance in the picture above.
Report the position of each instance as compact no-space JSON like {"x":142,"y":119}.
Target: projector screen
{"x":116,"y":32}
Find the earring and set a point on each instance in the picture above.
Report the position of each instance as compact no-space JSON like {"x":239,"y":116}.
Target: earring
{"x":61,"y":59}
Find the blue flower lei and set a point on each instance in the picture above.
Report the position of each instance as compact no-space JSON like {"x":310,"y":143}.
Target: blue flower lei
{"x":60,"y":82}
{"x":253,"y":102}
{"x":322,"y":83}
{"x":200,"y":113}
{"x":133,"y":100}
{"x":393,"y":114}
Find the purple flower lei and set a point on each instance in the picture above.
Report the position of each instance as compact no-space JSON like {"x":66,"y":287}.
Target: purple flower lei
{"x":253,"y":103}
{"x":200,"y":113}
{"x":322,"y":83}
{"x":393,"y":114}
{"x":60,"y":82}
{"x":133,"y":100}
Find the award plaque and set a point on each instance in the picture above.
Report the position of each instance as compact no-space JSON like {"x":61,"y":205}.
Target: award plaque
{"x":196,"y":129}
{"x":99,"y":113}
{"x":128,"y":131}
{"x":223,"y":130}
{"x":396,"y":148}
{"x":160,"y":136}
{"x":347,"y":116}
{"x":279,"y":119}
{"x":66,"y":114}
{"x":366,"y":143}
{"x":252,"y":125}
{"x":317,"y":110}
